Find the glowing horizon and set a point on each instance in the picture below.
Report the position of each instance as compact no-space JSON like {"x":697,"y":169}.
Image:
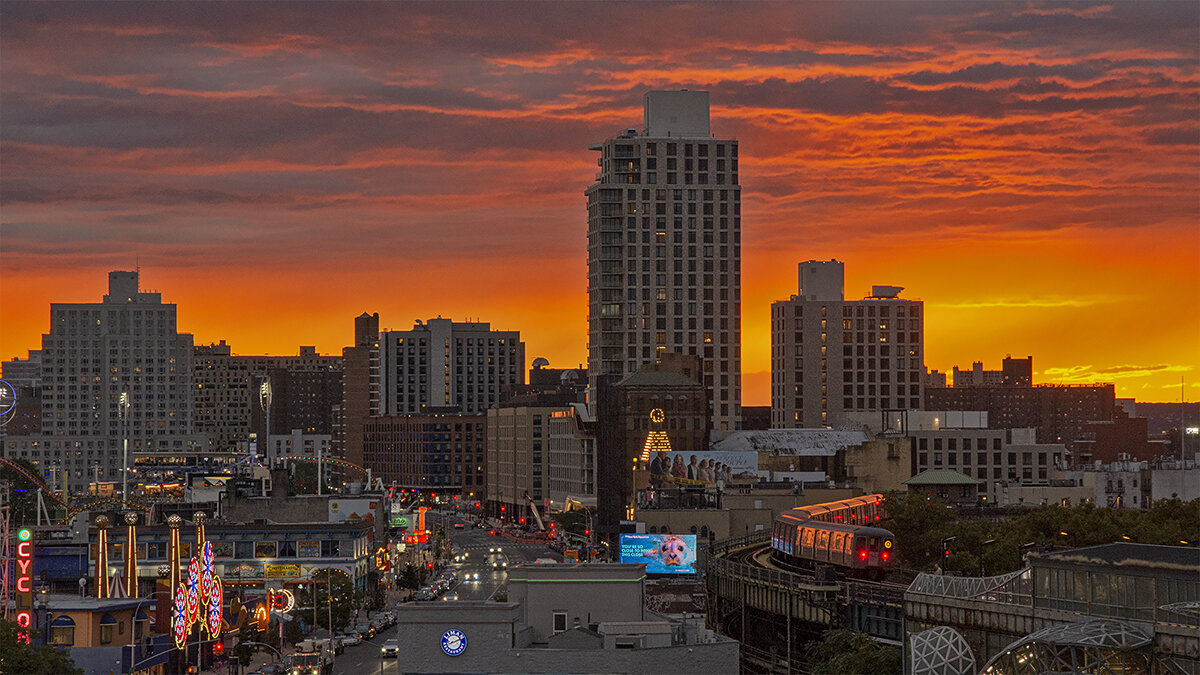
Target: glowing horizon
{"x":1029,"y":171}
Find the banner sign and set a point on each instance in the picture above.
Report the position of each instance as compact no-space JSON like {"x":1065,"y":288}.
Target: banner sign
{"x":703,"y":467}
{"x":662,"y":553}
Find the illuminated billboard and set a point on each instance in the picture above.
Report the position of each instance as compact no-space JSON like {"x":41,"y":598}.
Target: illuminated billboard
{"x":662,"y":553}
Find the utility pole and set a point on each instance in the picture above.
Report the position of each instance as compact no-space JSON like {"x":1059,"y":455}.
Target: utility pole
{"x":123,"y":413}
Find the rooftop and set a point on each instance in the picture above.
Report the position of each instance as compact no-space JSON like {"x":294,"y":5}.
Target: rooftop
{"x":657,"y":378}
{"x":941,"y":477}
{"x":1132,"y":554}
{"x":800,"y":442}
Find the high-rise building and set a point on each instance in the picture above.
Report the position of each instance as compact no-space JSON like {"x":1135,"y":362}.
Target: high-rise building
{"x":360,"y":388}
{"x":112,"y":370}
{"x":663,"y":399}
{"x":439,"y":451}
{"x":832,"y":357}
{"x":444,"y":364}
{"x":304,"y":390}
{"x":664,"y":250}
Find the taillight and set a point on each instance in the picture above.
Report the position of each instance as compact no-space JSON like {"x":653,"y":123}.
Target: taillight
{"x":862,"y":554}
{"x":876,"y":517}
{"x":884,"y":555}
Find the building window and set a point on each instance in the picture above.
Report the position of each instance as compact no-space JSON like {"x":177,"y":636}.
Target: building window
{"x":107,"y":624}
{"x":560,"y":622}
{"x":62,"y":631}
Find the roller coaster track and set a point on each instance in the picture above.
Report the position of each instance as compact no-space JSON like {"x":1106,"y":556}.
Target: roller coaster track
{"x":37,"y":482}
{"x":76,"y":510}
{"x":327,"y":460}
{"x":71,"y":511}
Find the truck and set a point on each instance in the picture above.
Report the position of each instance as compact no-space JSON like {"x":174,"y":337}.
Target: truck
{"x":312,"y":657}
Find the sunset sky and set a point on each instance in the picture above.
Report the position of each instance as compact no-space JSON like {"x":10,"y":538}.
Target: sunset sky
{"x":1031,"y":171}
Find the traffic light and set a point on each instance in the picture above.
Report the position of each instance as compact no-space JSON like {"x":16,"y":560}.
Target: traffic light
{"x":587,"y":533}
{"x":192,"y":670}
{"x":946,"y":551}
{"x":218,"y":649}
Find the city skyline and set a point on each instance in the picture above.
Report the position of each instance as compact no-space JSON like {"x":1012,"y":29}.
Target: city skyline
{"x":1028,"y":171}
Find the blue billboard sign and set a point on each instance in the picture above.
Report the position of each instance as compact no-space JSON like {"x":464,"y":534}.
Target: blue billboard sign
{"x":662,"y":553}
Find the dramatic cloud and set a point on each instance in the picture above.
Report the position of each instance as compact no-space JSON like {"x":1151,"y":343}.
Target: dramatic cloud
{"x":1028,"y":169}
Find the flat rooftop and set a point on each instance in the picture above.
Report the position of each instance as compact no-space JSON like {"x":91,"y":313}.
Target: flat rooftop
{"x":1132,"y":554}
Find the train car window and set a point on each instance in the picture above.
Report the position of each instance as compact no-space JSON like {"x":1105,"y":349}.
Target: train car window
{"x":874,"y":543}
{"x":849,"y":545}
{"x":823,"y":540}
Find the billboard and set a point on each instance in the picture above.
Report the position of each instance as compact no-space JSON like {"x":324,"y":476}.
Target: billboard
{"x":703,"y":467}
{"x":662,"y":553}
{"x":341,"y":510}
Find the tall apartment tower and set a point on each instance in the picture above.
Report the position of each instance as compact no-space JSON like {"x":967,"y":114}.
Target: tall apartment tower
{"x":664,"y":250}
{"x":94,"y":353}
{"x":443,"y":364}
{"x":833,"y":359}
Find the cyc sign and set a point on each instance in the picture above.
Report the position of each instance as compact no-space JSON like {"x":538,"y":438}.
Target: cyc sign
{"x":24,"y":582}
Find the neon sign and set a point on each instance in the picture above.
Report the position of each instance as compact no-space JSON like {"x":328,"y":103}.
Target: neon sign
{"x":24,"y":582}
{"x":198,"y":599}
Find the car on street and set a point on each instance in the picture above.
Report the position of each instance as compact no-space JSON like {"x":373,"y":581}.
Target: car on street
{"x":474,"y":576}
{"x":366,"y":630}
{"x":460,"y":526}
{"x":390,"y":648}
{"x":352,"y":639}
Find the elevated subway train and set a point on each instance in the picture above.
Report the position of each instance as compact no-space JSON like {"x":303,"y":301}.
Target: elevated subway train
{"x":855,"y":511}
{"x":798,"y":539}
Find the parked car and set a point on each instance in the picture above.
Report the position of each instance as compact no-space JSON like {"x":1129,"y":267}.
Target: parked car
{"x":366,"y":630}
{"x":390,"y":648}
{"x":352,"y":639}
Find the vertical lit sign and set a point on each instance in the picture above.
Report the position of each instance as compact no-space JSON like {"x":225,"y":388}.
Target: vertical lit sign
{"x":24,"y":582}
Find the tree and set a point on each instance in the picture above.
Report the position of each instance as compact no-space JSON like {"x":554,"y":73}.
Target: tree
{"x":18,"y":656}
{"x":409,"y":577}
{"x":841,"y":651}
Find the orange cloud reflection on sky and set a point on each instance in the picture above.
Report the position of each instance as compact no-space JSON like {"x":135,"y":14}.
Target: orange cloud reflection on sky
{"x":1029,"y":171}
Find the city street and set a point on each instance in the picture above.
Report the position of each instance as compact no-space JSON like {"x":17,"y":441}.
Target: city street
{"x":475,"y":544}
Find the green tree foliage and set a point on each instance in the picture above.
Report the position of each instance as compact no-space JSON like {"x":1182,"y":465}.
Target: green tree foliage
{"x":340,"y":604}
{"x":304,"y":479}
{"x":921,"y":525}
{"x":409,"y":578}
{"x":18,"y":657}
{"x":842,"y":652}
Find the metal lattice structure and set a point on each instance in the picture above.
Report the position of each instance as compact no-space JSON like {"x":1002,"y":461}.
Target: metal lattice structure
{"x":1013,"y":588}
{"x":1099,"y":646}
{"x":941,"y":651}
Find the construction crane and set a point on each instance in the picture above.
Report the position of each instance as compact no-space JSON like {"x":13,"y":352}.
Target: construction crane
{"x":537,"y":516}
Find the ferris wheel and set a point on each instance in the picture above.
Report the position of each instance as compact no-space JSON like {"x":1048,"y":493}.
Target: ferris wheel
{"x":8,"y":402}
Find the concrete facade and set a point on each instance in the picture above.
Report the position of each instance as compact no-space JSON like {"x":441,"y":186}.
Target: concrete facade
{"x":664,"y":250}
{"x":446,"y":364}
{"x":831,"y":356}
{"x":561,"y":619}
{"x":572,"y":457}
{"x":92,"y":354}
{"x":518,"y":457}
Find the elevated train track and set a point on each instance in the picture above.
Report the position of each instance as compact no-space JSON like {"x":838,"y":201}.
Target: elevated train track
{"x":782,"y":606}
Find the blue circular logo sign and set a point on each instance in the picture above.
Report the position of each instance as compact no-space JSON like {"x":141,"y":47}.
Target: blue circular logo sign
{"x":454,"y":642}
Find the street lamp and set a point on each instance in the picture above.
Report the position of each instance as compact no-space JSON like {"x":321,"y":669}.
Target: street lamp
{"x":264,"y":400}
{"x":123,"y":413}
{"x":1074,"y":540}
{"x":989,"y":542}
